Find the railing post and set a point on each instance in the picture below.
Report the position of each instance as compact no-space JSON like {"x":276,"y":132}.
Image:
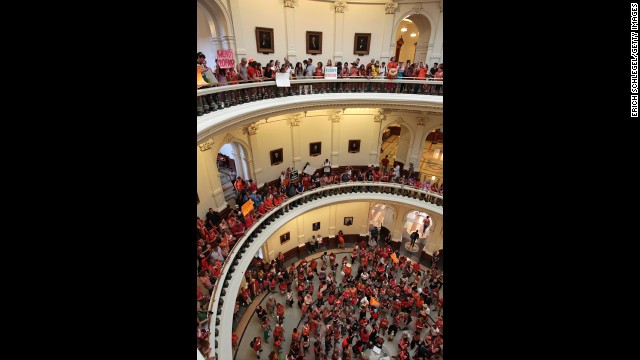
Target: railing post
{"x":200,"y":107}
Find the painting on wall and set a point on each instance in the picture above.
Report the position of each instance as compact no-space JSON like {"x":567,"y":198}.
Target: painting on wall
{"x":264,"y":40}
{"x":354,"y":146}
{"x":315,"y":149}
{"x":276,"y":156}
{"x":348,"y":221}
{"x":314,"y":42}
{"x":361,"y":43}
{"x":316,"y":226}
{"x":284,"y":238}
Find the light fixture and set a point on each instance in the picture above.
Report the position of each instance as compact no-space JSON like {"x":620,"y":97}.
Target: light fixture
{"x":413,"y":34}
{"x":433,"y":178}
{"x":404,"y":29}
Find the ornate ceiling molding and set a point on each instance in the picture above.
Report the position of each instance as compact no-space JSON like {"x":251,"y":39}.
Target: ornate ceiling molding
{"x":226,"y":120}
{"x":296,"y":120}
{"x":228,"y":138}
{"x":379,"y":116}
{"x":336,"y":117}
{"x":252,"y":129}
{"x":289,"y":3}
{"x":422,"y":121}
{"x":340,"y":6}
{"x":417,"y":8}
{"x":390,"y":7}
{"x":206,"y":145}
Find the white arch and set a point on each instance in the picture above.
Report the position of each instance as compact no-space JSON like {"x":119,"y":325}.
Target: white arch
{"x":419,"y":25}
{"x":409,"y":132}
{"x":246,"y":149}
{"x":220,"y":19}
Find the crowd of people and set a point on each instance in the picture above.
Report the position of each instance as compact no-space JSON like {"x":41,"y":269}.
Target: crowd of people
{"x":216,"y":235}
{"x":349,"y":311}
{"x":250,"y":70}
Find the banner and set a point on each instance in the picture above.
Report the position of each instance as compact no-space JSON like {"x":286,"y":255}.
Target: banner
{"x":246,"y":207}
{"x":330,"y":73}
{"x":293,"y":176}
{"x":225,"y":59}
{"x":282,"y":79}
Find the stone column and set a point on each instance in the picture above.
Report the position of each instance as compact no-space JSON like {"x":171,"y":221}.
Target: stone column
{"x":228,"y":42}
{"x":290,"y":20}
{"x":376,"y":130}
{"x":295,"y":136}
{"x":436,"y":56}
{"x":335,"y":138}
{"x":252,"y":131}
{"x":415,"y":154}
{"x":332,"y":221}
{"x":239,"y":43}
{"x":388,"y":39}
{"x":338,"y":49}
{"x":434,"y":241}
{"x":217,"y":43}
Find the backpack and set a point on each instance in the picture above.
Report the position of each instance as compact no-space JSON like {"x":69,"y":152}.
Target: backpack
{"x":251,"y":344}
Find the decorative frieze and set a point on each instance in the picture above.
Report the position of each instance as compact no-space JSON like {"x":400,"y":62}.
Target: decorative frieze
{"x":417,"y":8}
{"x":336,"y":117}
{"x":252,"y":129}
{"x":296,"y":120}
{"x":206,"y":145}
{"x":390,"y":7}
{"x":422,"y":121}
{"x":340,"y":6}
{"x":378,"y":117}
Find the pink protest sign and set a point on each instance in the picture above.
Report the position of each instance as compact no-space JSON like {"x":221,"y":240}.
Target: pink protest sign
{"x":225,"y":59}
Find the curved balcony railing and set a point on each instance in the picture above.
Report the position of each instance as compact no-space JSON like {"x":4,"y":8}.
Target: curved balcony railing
{"x":219,"y":97}
{"x":309,"y":200}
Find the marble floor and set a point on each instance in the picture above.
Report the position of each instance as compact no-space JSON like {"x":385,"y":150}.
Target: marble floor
{"x":249,"y":325}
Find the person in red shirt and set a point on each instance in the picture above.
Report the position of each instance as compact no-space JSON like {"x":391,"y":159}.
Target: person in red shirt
{"x":340,"y":242}
{"x":257,"y":346}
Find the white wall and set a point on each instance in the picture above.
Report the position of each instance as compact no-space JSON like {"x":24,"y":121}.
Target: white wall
{"x":300,"y":229}
{"x":291,"y":24}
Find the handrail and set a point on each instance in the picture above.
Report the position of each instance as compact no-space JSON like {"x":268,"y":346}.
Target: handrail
{"x":245,"y":84}
{"x":223,"y":96}
{"x":386,"y":188}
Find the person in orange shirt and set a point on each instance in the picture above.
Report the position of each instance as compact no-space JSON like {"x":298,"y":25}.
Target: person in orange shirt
{"x":340,"y":242}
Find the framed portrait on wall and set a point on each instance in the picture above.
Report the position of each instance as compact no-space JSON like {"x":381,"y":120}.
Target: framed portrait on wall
{"x":348,"y":221}
{"x":361,"y":43}
{"x":276,"y":156}
{"x":314,"y":42}
{"x":284,"y":238}
{"x":316,"y":226}
{"x":354,"y":146}
{"x":264,"y":40}
{"x":315,"y":149}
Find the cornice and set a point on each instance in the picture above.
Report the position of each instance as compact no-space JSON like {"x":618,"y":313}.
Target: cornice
{"x":243,"y":115}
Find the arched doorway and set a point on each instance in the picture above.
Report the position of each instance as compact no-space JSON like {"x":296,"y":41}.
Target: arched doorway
{"x":382,"y":216}
{"x":214,"y":30}
{"x":415,"y":220}
{"x":395,"y":144}
{"x":231,"y":162}
{"x":431,"y":162}
{"x":415,"y":30}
